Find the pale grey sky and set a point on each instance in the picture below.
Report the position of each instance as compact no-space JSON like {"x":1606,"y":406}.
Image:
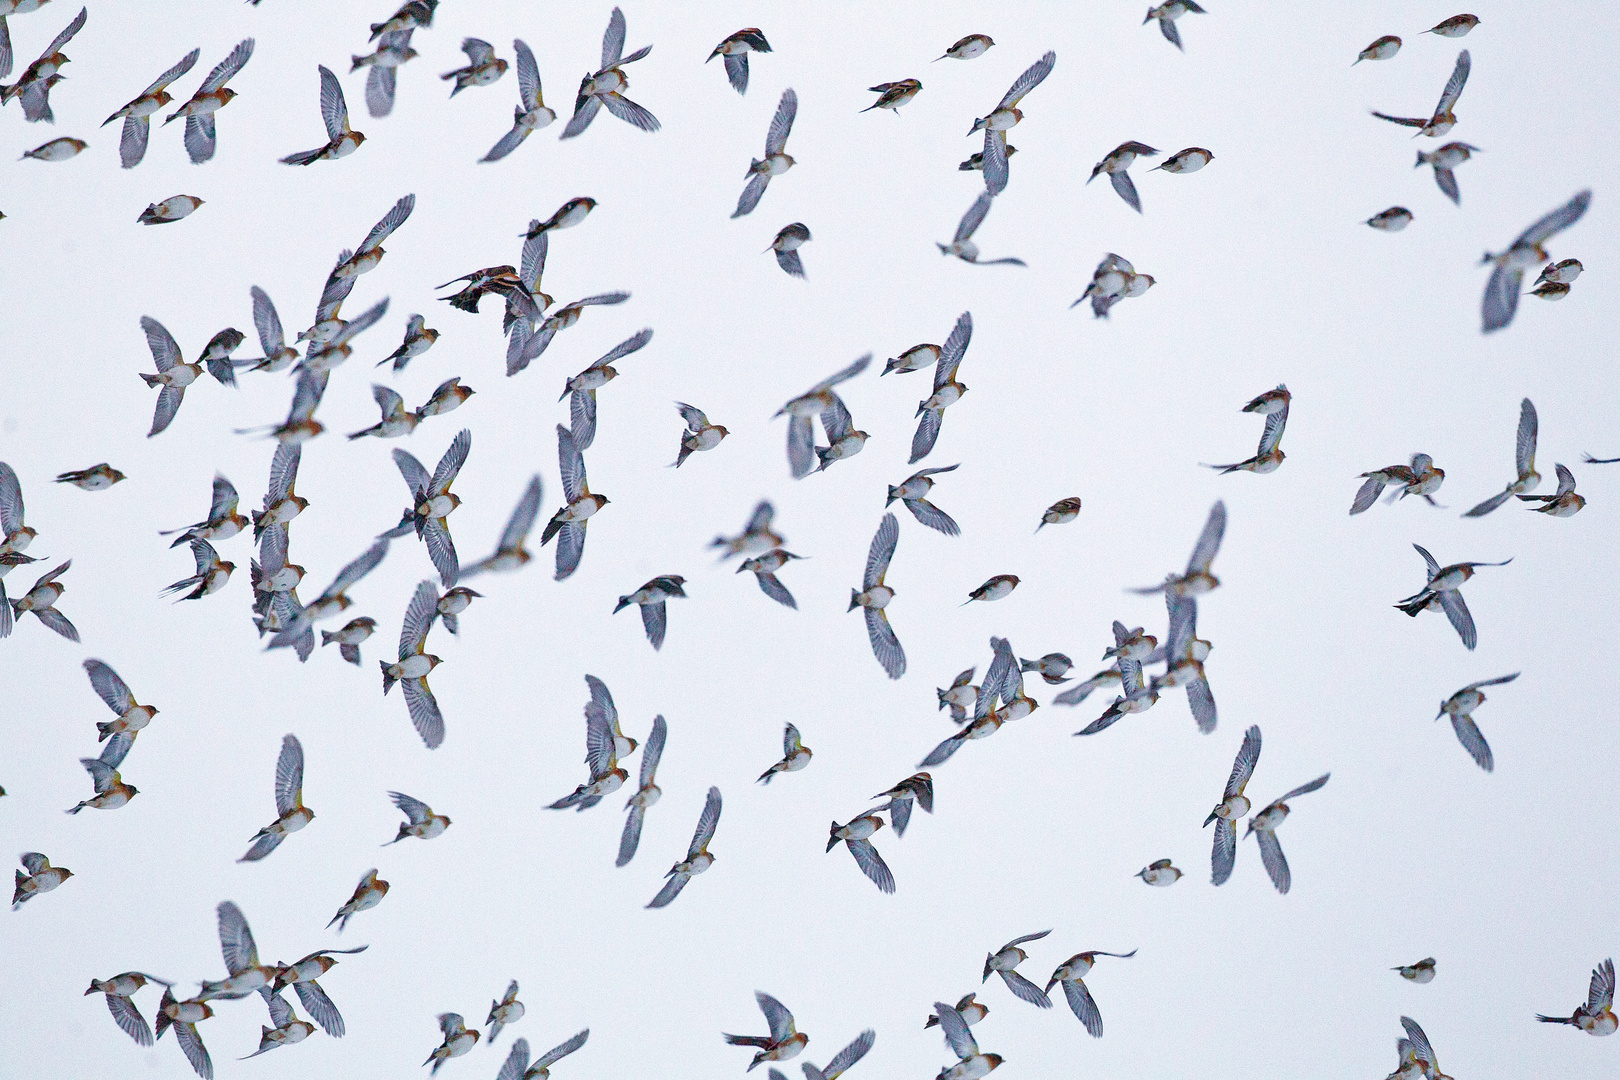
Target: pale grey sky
{"x":1265,"y":275}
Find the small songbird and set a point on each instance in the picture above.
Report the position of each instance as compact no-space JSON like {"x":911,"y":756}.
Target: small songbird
{"x":294,"y":815}
{"x":411,"y":670}
{"x":1455,"y":27}
{"x":41,"y":600}
{"x":975,"y":161}
{"x":699,"y":435}
{"x":1197,"y":579}
{"x":1597,"y":1016}
{"x":288,"y":1029}
{"x":509,"y":553}
{"x":582,"y":387}
{"x":33,"y":86}
{"x":1561,"y":503}
{"x":341,"y":140}
{"x":972,"y":1012}
{"x":1115,"y":279}
{"x":236,"y":945}
{"x":1460,"y":707}
{"x":818,"y":400}
{"x":1420,"y":972}
{"x":457,"y":1041}
{"x":1273,"y":405}
{"x":874,"y":597}
{"x":56,"y":150}
{"x":184,"y":1016}
{"x":410,"y":16}
{"x":1563,"y":272}
{"x":223,"y":520}
{"x":447,"y":397}
{"x":764,"y":568}
{"x":349,"y":639}
{"x":569,"y":522}
{"x":1394,"y":219}
{"x":1507,"y":273}
{"x":419,"y":338}
{"x":856,"y":835}
{"x":281,"y":505}
{"x":42,"y":877}
{"x":1159,"y":873}
{"x":173,"y":373}
{"x":1232,"y":808}
{"x":278,"y":355}
{"x":1523,"y":462}
{"x":1054,"y":668}
{"x":844,"y":440}
{"x":784,"y":1042}
{"x":396,"y":420}
{"x":1263,"y":826}
{"x":482,"y":66}
{"x":1185,"y":161}
{"x":171,"y":209}
{"x":1419,"y":478}
{"x":1003,"y":117}
{"x":892,"y":95}
{"x":1167,"y":14}
{"x":420,"y":820}
{"x":947,"y":391}
{"x":118,"y":990}
{"x":915,"y":358}
{"x":1060,"y":513}
{"x":757,"y":535}
{"x":994,"y":589}
{"x":531,"y":113}
{"x":210,"y":97}
{"x":1442,"y":588}
{"x":1444,"y":160}
{"x":1071,"y":973}
{"x":776,"y":160}
{"x":1550,"y":290}
{"x":789,"y":239}
{"x":647,"y":792}
{"x":1120,"y":159}
{"x":111,"y":791}
{"x":1382,"y":49}
{"x":602,"y":752}
{"x":971,"y":1063}
{"x":453,"y":603}
{"x":913,"y":491}
{"x":607,"y":85}
{"x":1005,"y":961}
{"x":651,"y":599}
{"x":432,"y":502}
{"x":698,"y":859}
{"x":915,"y":790}
{"x":393,"y":49}
{"x":1443,"y":119}
{"x":508,"y":1010}
{"x":517,"y":1065}
{"x":131,"y":717}
{"x":795,"y":755}
{"x":367,"y":895}
{"x":962,"y":245}
{"x":734,"y":54}
{"x":568,"y":215}
{"x":974,"y":45}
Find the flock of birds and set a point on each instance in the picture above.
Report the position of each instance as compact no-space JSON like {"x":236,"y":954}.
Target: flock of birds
{"x":531,"y":319}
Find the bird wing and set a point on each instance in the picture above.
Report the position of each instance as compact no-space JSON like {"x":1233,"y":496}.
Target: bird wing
{"x":1305,"y":789}
{"x":289,"y":775}
{"x":414,"y":472}
{"x":109,"y":687}
{"x":956,"y":1031}
{"x":442,"y":552}
{"x":357,"y":569}
{"x":950,"y":357}
{"x":653,"y":750}
{"x":283,"y":472}
{"x":236,"y":940}
{"x":192,"y":1045}
{"x":66,"y":35}
{"x":334,"y":110}
{"x":570,"y":548}
{"x":186,"y":63}
{"x":425,"y":715}
{"x":782,"y":123}
{"x":1566,"y":481}
{"x":613,"y":39}
{"x":1271,"y":854}
{"x":1025,"y":990}
{"x":557,"y":1053}
{"x":1224,"y":854}
{"x":478,"y":51}
{"x":1456,"y":609}
{"x":628,"y":111}
{"x":849,"y":1055}
{"x":165,"y":351}
{"x":419,"y":615}
{"x":450,"y":464}
{"x":570,"y":464}
{"x":585,"y":110}
{"x":777,"y":1016}
{"x":1028,"y":81}
{"x":1248,"y":756}
{"x":129,"y":1019}
{"x":932,"y":516}
{"x":1601,"y":994}
{"x":1126,"y":189}
{"x":1275,"y":422}
{"x":390,"y":221}
{"x":994,"y":162}
{"x":1524,"y":447}
{"x":1085,"y":1009}
{"x":522,"y":519}
{"x":1454,"y":85}
{"x":1557,"y":221}
{"x":414,"y":809}
{"x":1492,"y":682}
{"x":871,"y":864}
{"x":320,"y":1007}
{"x":1202,"y":703}
{"x":1468,"y":734}
{"x":706,"y":823}
{"x":11,"y":500}
{"x":1501,"y":291}
{"x":836,"y":420}
{"x":227,"y":67}
{"x":528,"y":73}
{"x":922,"y":443}
{"x":881,"y":551}
{"x":1209,"y":541}
{"x":974,"y":217}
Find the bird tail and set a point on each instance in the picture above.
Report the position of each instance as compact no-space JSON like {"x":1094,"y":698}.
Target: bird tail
{"x":163,"y":1018}
{"x":104,"y":729}
{"x":854,"y":601}
{"x":624,"y":602}
{"x":745,"y":1040}
{"x":1555,"y":1019}
{"x":152,"y":380}
{"x":326,"y":639}
{"x":832,"y":836}
{"x":388,"y":680}
{"x":894,"y":493}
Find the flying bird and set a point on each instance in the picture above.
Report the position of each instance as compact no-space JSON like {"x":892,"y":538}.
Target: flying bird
{"x":1507,"y":273}
{"x":764,"y":568}
{"x":367,"y":895}
{"x":651,"y":599}
{"x":967,"y":48}
{"x":432,"y":503}
{"x":341,"y":140}
{"x":784,"y":1042}
{"x":1443,"y":119}
{"x":1562,"y":502}
{"x":913,"y":492}
{"x":119,"y":990}
{"x":582,"y":387}
{"x":818,"y":400}
{"x":1002,"y":118}
{"x":789,"y":239}
{"x":393,"y":50}
{"x":293,"y":814}
{"x":607,"y":86}
{"x":507,"y":1010}
{"x":892,"y":95}
{"x":776,"y":160}
{"x":1444,"y":161}
{"x":697,"y":858}
{"x":1005,"y":961}
{"x":1263,"y":826}
{"x":1119,"y":159}
{"x":1596,"y":1017}
{"x":420,"y":820}
{"x":1442,"y":591}
{"x":1071,"y":973}
{"x":138,"y":113}
{"x":531,"y":113}
{"x":1273,"y":405}
{"x":962,"y":245}
{"x":33,"y":86}
{"x":481,"y":69}
{"x":1460,"y":707}
{"x":874,"y":597}
{"x":842,"y":1061}
{"x":647,"y":792}
{"x":1115,"y":279}
{"x":517,"y":1065}
{"x":1232,"y":808}
{"x":210,"y":97}
{"x":568,"y":523}
{"x":509,"y":552}
{"x":457,"y":1041}
{"x":971,"y":1064}
{"x":1167,"y":14}
{"x":734,"y":54}
{"x":411,"y":670}
{"x":1524,"y":461}
{"x":1420,"y":972}
{"x":947,"y":391}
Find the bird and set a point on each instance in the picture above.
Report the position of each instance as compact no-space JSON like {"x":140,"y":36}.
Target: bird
{"x":561,"y":318}
{"x":1381,"y":49}
{"x":212,"y":574}
{"x":892,"y":95}
{"x":241,"y":955}
{"x":333,"y":599}
{"x":913,"y":492}
{"x":396,"y":420}
{"x":1524,"y":460}
{"x":1561,"y":503}
{"x":994,"y":589}
{"x":482,"y":67}
{"x":509,"y":551}
{"x":856,"y":834}
{"x":183,"y":1017}
{"x":293,"y":814}
{"x":301,"y":976}
{"x":341,"y":140}
{"x":651,"y":599}
{"x":1444,"y":160}
{"x":118,"y":991}
{"x":975,"y":160}
{"x":1071,"y":973}
{"x":1443,"y":119}
{"x":42,"y":877}
{"x":1159,"y":873}
{"x":1115,"y":279}
{"x":874,"y":597}
{"x":915,"y":358}
{"x":784,"y":1041}
{"x":507,"y":1010}
{"x":1167,"y":14}
{"x":1273,"y":405}
{"x":700,"y":434}
{"x":795,"y":755}
{"x":1455,"y":27}
{"x":1053,"y":668}
{"x":1263,"y":826}
{"x":842,"y":1061}
{"x":130,"y":716}
{"x":1562,"y":272}
{"x":419,"y":338}
{"x":281,"y":504}
{"x":447,"y":397}
{"x":432,"y":503}
{"x":1394,"y":219}
{"x":582,"y":387}
{"x":947,"y":391}
{"x":647,"y":792}
{"x":1136,"y":695}
{"x":457,"y":1041}
{"x":757,"y":535}
{"x":367,"y":895}
{"x":972,"y":1012}
{"x":41,"y":600}
{"x":412,"y":14}
{"x":411,"y":670}
{"x":962,"y":245}
{"x":568,"y":215}
{"x":222,"y":522}
{"x":1185,"y":161}
{"x":1001,"y":119}
{"x":776,"y":160}
{"x":916,"y":789}
{"x":569,"y":522}
{"x":137,"y":115}
{"x":517,"y":1065}
{"x":322,"y":357}
{"x":789,"y":239}
{"x":1420,"y":972}
{"x":607,"y":85}
{"x":57,"y":150}
{"x":452,"y":604}
{"x":1002,"y":683}
{"x":734,"y":55}
{"x":393,"y":50}
{"x":602,"y":752}
{"x":278,"y":355}
{"x":813,"y":402}
{"x":1597,"y":1016}
{"x":1419,"y":478}
{"x":1419,"y":1051}
{"x":764,"y":568}
{"x":210,"y":97}
{"x":1460,"y":707}
{"x":33,"y":86}
{"x":111,"y":791}
{"x":1183,"y":655}
{"x":531,"y":113}
{"x":1232,"y":808}
{"x":1197,"y":579}
{"x":1507,"y":273}
{"x":698,"y":859}
{"x":1441,"y":590}
{"x":971,"y":1064}
{"x":1004,"y":962}
{"x":967,"y":48}
{"x":1120,"y":159}
{"x":288,"y":1029}
{"x":364,"y":258}
{"x":173,"y":373}
{"x":420,"y":820}
{"x":844,"y":440}
{"x":1060,"y":513}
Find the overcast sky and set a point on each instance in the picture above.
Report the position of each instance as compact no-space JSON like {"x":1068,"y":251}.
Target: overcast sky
{"x":1265,"y":274}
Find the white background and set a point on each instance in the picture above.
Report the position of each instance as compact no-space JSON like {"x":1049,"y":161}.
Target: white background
{"x":1265,"y":275}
